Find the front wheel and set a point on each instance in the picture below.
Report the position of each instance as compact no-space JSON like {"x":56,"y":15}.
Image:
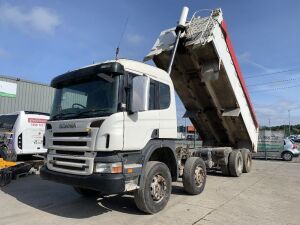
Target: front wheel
{"x":155,"y":189}
{"x":194,"y":175}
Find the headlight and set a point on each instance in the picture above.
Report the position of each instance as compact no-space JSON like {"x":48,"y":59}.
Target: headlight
{"x":108,"y":167}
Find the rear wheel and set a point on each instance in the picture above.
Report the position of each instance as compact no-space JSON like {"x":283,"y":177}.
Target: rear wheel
{"x":235,"y":163}
{"x":155,"y":190}
{"x":194,"y":175}
{"x":247,"y":160}
{"x":287,"y":156}
{"x":225,"y":170}
{"x":85,"y":192}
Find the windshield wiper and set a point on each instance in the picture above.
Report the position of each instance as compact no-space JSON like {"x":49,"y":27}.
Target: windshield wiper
{"x":77,"y":114}
{"x":63,"y":115}
{"x":92,"y":111}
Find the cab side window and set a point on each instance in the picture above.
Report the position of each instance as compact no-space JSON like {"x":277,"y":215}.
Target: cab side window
{"x":152,"y":96}
{"x":164,"y":96}
{"x":159,"y":95}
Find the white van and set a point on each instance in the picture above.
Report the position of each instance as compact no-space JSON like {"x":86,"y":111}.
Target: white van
{"x":21,"y":133}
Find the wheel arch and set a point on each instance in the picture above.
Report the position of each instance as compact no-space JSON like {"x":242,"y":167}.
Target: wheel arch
{"x":165,"y":155}
{"x":162,"y":151}
{"x":286,"y":151}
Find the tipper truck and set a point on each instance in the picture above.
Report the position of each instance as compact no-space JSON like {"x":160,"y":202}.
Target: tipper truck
{"x":113,"y":125}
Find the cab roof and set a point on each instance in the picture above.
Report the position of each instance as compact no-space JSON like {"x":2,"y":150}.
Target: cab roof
{"x":143,"y":68}
{"x":119,"y":66}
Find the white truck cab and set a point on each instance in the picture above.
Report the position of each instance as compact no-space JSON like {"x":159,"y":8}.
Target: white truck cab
{"x":22,"y":132}
{"x":107,"y":121}
{"x":103,"y":97}
{"x":96,"y":109}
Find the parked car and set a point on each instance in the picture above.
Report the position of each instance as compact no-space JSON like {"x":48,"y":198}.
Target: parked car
{"x":295,"y":138}
{"x":290,"y":150}
{"x":292,"y":137}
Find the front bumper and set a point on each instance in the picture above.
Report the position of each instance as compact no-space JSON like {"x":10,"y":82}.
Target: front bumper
{"x":104,"y":183}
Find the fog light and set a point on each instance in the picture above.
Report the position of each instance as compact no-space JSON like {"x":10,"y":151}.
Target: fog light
{"x":108,"y":167}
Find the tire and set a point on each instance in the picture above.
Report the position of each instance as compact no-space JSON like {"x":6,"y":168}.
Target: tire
{"x":7,"y":154}
{"x":156,"y":175}
{"x":287,"y":156}
{"x":86,"y":192}
{"x":235,"y":163}
{"x":225,"y":170}
{"x":247,"y":160}
{"x":194,"y":175}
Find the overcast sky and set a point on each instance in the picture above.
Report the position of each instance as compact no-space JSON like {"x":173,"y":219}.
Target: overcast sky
{"x":42,"y":39}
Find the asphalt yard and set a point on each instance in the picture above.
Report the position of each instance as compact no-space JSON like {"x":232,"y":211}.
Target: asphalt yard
{"x":270,"y":194}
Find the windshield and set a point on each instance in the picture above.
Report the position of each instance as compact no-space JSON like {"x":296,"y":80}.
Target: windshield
{"x":7,"y":122}
{"x":92,"y":98}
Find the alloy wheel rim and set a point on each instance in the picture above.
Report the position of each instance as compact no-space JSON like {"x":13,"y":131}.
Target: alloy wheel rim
{"x":199,"y":176}
{"x":158,"y":188}
{"x":287,"y":156}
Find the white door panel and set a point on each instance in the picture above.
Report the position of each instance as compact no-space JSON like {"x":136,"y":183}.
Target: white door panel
{"x":167,"y":124}
{"x":167,"y":118}
{"x":139,"y":128}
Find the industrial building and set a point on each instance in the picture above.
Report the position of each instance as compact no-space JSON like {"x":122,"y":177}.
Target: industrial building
{"x":17,"y":94}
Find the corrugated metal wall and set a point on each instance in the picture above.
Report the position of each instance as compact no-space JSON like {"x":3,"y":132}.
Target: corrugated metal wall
{"x":30,"y":96}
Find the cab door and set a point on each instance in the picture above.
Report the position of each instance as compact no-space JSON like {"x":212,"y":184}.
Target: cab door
{"x":141,"y":127}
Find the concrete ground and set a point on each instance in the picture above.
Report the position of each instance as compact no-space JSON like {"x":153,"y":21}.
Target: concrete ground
{"x":270,"y":194}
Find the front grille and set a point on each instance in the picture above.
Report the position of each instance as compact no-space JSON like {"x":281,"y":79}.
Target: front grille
{"x":70,"y":143}
{"x":62,"y":152}
{"x":71,"y":134}
{"x":72,"y":162}
{"x":69,"y":168}
{"x":69,"y":160}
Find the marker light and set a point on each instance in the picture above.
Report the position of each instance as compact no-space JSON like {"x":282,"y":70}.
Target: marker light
{"x":108,"y":167}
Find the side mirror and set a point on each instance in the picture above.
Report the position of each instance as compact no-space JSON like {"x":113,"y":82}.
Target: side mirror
{"x":139,"y":93}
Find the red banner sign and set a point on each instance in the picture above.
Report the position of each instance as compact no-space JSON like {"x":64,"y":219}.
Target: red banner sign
{"x":36,"y":120}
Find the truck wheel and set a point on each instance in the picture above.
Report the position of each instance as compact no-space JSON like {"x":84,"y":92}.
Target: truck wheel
{"x":155,"y":190}
{"x":235,"y":163}
{"x":287,"y":156}
{"x":225,"y":170}
{"x":247,"y":160}
{"x":194,"y":175}
{"x":85,"y":192}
